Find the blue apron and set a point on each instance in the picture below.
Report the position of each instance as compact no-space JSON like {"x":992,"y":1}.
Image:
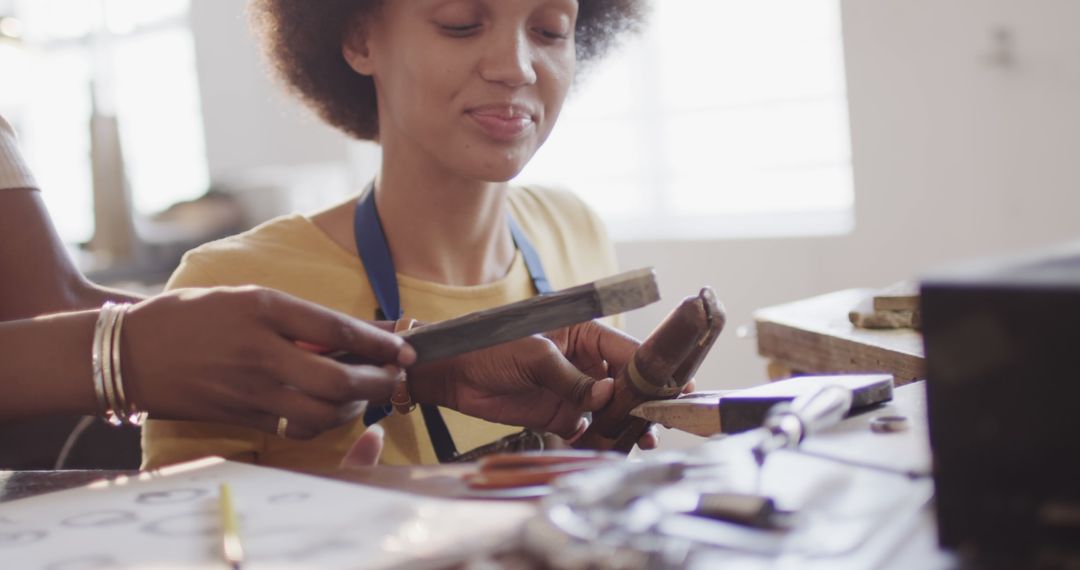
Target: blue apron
{"x":375,"y":255}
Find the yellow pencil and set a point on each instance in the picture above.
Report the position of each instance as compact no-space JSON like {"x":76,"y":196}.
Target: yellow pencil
{"x":230,"y":529}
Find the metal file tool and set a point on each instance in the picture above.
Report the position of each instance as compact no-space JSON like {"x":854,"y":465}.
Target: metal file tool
{"x":787,"y":425}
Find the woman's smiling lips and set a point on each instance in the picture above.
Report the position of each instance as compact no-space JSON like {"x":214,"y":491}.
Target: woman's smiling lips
{"x":502,"y":122}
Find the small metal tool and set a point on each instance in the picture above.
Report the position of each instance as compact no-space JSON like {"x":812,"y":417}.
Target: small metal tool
{"x":508,"y":470}
{"x":787,"y":425}
{"x":753,"y":511}
{"x":889,"y":424}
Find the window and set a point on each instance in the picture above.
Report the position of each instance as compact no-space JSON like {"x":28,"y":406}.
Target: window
{"x":725,"y":118}
{"x":131,"y":58}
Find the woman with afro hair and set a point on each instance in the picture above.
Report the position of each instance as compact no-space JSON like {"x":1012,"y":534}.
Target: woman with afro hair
{"x":459,"y":95}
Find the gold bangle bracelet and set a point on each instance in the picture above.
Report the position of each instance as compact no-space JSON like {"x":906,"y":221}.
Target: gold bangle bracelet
{"x":106,"y":364}
{"x":114,"y":355}
{"x":112,"y":412}
{"x":96,"y":364}
{"x":128,"y":411}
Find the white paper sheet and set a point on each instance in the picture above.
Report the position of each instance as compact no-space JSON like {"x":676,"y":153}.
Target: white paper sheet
{"x":287,"y":520}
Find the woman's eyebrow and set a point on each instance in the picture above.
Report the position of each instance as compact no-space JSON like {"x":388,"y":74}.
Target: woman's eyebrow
{"x":567,"y":3}
{"x":568,"y":6}
{"x":432,"y":4}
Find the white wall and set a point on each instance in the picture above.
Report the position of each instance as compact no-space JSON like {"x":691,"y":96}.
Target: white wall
{"x":248,"y":120}
{"x":955,"y":154}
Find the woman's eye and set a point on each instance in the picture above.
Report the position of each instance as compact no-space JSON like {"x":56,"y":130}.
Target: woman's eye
{"x":459,"y":30}
{"x":552,"y":35}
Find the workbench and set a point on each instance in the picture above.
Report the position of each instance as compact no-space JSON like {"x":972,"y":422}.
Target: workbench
{"x":814,"y":336}
{"x":916,"y":546}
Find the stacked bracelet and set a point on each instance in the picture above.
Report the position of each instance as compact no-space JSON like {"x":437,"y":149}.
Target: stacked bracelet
{"x":105,"y":361}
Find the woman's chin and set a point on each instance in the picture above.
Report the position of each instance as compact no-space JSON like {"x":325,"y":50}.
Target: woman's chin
{"x":498,"y":170}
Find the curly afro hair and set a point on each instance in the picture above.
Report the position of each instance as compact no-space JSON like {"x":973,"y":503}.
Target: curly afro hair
{"x":302,"y":41}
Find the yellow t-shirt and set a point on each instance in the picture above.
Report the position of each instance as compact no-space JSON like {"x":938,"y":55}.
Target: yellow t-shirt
{"x":293,"y":255}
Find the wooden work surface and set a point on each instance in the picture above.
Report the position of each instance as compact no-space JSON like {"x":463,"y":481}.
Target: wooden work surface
{"x":22,"y":484}
{"x":814,"y":336}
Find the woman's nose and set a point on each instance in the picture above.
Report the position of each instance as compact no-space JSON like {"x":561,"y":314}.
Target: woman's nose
{"x":509,"y":59}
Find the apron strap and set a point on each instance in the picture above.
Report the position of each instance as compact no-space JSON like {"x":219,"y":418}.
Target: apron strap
{"x":375,"y":255}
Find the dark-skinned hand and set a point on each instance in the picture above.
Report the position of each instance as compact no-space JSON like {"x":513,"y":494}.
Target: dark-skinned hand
{"x":230,"y":355}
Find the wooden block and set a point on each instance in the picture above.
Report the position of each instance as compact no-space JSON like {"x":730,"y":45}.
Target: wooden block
{"x":746,"y":409}
{"x":697,"y":413}
{"x":886,"y":319}
{"x":776,"y":370}
{"x":903,"y":296}
{"x":814,"y":336}
{"x":875,"y":312}
{"x":540,"y":314}
{"x":732,"y":411}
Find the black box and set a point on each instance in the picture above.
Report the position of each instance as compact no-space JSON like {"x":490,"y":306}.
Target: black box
{"x":1002,"y":345}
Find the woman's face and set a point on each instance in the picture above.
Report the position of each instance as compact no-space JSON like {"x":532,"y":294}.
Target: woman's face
{"x":474,"y":85}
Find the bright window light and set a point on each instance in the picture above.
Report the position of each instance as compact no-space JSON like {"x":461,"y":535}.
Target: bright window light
{"x":726,"y":118}
{"x":139,"y":58}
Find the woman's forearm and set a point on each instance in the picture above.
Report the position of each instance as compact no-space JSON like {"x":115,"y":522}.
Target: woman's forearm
{"x":46,"y":366}
{"x":90,"y":296}
{"x":37,"y":276}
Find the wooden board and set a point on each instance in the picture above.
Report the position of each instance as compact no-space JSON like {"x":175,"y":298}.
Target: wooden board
{"x":902,"y":296}
{"x":697,"y":413}
{"x":732,"y":411}
{"x":893,"y":307}
{"x":814,"y":336}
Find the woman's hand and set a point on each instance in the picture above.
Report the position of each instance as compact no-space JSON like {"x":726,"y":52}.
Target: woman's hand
{"x":541,"y":382}
{"x":585,"y":343}
{"x":230,"y":355}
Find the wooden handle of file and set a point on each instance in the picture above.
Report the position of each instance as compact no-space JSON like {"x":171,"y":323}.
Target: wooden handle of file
{"x":540,"y":314}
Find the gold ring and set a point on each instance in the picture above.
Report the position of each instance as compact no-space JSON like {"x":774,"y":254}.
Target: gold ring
{"x":400,"y":397}
{"x":282,"y":425}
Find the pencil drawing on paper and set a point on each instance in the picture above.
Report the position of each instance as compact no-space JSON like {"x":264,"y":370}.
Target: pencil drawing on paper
{"x":90,"y":562}
{"x":198,"y":523}
{"x":170,"y":496}
{"x":285,"y":498}
{"x":21,"y":537}
{"x":94,"y":519}
{"x":286,"y":518}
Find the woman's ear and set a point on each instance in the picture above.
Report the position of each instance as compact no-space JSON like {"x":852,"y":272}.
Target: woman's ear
{"x":355,"y":47}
